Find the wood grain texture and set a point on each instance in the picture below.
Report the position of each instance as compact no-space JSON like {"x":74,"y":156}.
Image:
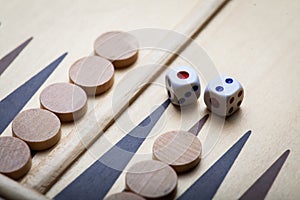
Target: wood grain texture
{"x":44,"y":175}
{"x":124,"y":196}
{"x":246,"y":39}
{"x":13,"y":103}
{"x":67,"y":101}
{"x":254,"y":49}
{"x":40,"y":129}
{"x":119,"y":47}
{"x":208,"y":184}
{"x":10,"y":189}
{"x":15,"y":157}
{"x":261,"y":187}
{"x":152,"y":179}
{"x":93,"y":182}
{"x":179,"y":149}
{"x":93,"y":74}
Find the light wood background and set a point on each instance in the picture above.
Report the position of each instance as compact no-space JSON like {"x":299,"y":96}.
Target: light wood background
{"x":255,"y":41}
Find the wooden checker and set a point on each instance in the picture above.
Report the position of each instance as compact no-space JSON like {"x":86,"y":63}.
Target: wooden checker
{"x":179,"y":149}
{"x":246,"y":40}
{"x":120,"y":48}
{"x":39,"y":128}
{"x":15,"y":157}
{"x":94,"y":74}
{"x":124,"y":196}
{"x":67,"y":101}
{"x":152,"y":179}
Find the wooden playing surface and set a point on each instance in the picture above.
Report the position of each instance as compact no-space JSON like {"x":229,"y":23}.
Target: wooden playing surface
{"x":256,"y":42}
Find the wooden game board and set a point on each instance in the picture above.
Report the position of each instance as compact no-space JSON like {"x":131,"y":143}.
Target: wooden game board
{"x":254,"y":41}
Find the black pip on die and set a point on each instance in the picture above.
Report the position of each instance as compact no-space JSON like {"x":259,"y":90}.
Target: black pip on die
{"x":183,"y":85}
{"x":223,"y":95}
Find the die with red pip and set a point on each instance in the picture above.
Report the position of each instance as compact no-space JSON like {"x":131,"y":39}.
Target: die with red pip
{"x":183,"y":85}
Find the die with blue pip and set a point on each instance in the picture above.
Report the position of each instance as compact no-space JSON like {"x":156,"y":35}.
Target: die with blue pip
{"x":224,"y":95}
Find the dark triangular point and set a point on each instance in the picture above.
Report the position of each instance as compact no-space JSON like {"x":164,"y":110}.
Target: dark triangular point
{"x":207,"y":185}
{"x":260,"y":188}
{"x":95,"y":182}
{"x":12,"y":104}
{"x":198,"y":126}
{"x":9,"y":58}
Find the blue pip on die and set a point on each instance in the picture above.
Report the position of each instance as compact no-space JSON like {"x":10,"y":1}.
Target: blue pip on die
{"x":183,"y":85}
{"x":223,"y":95}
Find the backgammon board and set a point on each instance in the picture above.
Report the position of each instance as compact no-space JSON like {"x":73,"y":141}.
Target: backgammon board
{"x":253,"y":154}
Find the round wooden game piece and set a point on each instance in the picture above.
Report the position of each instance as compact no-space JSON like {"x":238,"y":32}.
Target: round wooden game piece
{"x":15,"y":157}
{"x":120,"y":48}
{"x":40,"y":129}
{"x":66,"y":100}
{"x":93,"y":74}
{"x":179,"y":149}
{"x":124,"y":196}
{"x":152,"y":179}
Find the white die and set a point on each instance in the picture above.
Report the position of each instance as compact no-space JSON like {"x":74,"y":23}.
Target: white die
{"x":223,"y":95}
{"x":183,"y":85}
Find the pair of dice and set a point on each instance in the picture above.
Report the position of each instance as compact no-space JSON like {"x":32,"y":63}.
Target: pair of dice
{"x":223,"y":95}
